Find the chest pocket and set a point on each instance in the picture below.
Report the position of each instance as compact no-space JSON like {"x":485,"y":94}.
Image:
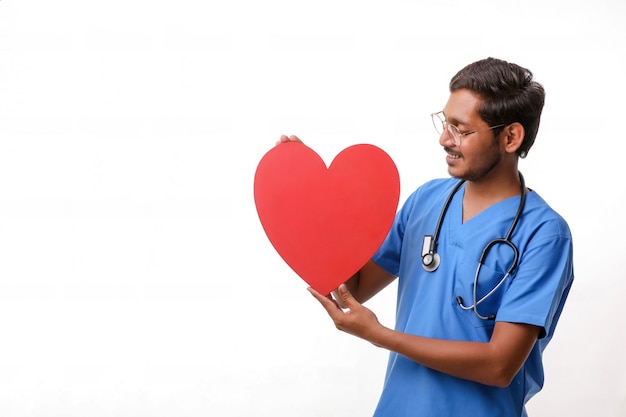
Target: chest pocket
{"x":491,"y":284}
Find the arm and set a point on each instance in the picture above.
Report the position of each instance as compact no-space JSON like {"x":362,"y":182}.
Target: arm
{"x":367,"y":282}
{"x":492,"y":363}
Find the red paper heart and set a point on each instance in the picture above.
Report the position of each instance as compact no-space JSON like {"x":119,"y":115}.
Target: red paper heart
{"x":326,"y":223}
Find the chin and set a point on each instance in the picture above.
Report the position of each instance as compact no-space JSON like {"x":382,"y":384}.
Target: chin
{"x":455,"y":173}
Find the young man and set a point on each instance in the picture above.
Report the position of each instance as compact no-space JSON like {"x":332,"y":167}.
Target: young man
{"x":484,"y":268}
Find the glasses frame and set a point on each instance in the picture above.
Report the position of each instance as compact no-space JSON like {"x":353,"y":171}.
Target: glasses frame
{"x":454,"y":131}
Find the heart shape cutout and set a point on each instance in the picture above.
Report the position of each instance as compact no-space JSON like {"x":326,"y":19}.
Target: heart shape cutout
{"x":326,"y":223}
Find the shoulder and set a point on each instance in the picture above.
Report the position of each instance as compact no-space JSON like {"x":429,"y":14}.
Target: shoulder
{"x":431,"y":194}
{"x":433,"y":189}
{"x":439,"y":184}
{"x":545,"y":217}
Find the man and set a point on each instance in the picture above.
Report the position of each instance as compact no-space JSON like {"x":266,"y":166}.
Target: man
{"x":483,"y":277}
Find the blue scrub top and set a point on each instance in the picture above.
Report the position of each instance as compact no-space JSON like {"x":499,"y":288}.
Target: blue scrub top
{"x":427,"y":305}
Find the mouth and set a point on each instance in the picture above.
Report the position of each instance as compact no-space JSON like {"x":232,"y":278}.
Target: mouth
{"x":451,"y":154}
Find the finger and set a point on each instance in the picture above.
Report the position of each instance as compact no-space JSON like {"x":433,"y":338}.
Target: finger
{"x":337,"y":298}
{"x":294,"y":138}
{"x":327,"y":302}
{"x":322,"y":299}
{"x":346,"y":297}
{"x":283,"y":139}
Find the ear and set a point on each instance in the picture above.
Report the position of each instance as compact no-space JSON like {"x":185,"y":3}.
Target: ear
{"x":513,"y":137}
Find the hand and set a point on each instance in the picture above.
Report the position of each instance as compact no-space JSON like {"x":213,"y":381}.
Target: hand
{"x":285,"y":138}
{"x":355,"y":319}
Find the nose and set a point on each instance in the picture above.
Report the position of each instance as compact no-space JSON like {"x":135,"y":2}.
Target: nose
{"x":446,"y":138}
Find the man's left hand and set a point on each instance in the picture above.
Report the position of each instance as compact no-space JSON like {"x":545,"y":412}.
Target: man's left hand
{"x":354,"y":319}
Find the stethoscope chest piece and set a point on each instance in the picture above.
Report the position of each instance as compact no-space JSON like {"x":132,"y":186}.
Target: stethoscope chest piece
{"x":430,"y":258}
{"x":431,"y":262}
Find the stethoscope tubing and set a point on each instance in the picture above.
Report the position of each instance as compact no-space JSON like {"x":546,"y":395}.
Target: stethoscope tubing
{"x":432,"y":250}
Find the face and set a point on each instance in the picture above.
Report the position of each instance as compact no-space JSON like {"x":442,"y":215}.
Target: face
{"x":479,"y":153}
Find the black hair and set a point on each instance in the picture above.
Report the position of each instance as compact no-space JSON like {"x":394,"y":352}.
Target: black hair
{"x":509,"y":94}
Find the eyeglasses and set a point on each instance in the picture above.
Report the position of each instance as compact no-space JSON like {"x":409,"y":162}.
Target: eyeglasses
{"x":441,"y":125}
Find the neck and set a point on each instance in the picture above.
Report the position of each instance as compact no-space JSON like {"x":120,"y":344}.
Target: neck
{"x":480,"y":195}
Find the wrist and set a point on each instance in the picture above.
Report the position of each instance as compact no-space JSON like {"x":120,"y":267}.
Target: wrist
{"x":380,"y":336}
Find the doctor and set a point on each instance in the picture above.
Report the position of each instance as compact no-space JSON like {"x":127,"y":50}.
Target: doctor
{"x":470,"y":330}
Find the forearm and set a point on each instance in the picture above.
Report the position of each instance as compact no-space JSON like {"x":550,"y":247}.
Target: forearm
{"x":494,"y":363}
{"x":474,"y":361}
{"x":368,"y":281}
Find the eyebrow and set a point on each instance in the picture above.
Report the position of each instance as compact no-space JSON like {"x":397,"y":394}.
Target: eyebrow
{"x":454,"y":121}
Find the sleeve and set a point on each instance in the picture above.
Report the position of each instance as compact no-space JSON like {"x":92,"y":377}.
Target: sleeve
{"x":542,"y":282}
{"x":389,"y":254}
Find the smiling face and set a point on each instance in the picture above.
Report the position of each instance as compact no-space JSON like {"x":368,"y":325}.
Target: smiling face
{"x":480,"y":154}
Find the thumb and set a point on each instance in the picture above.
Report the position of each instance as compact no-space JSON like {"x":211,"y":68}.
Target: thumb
{"x":347,"y":299}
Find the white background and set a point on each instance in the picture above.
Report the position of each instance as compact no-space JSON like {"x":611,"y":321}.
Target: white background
{"x":135,"y":277}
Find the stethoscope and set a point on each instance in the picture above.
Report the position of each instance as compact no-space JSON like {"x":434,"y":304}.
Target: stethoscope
{"x":431,"y":259}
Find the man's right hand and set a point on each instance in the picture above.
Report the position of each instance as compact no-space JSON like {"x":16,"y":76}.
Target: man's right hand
{"x":285,"y":138}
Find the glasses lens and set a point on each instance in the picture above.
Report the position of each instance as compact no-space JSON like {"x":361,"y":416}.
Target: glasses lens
{"x":455,"y":133}
{"x":438,"y":122}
